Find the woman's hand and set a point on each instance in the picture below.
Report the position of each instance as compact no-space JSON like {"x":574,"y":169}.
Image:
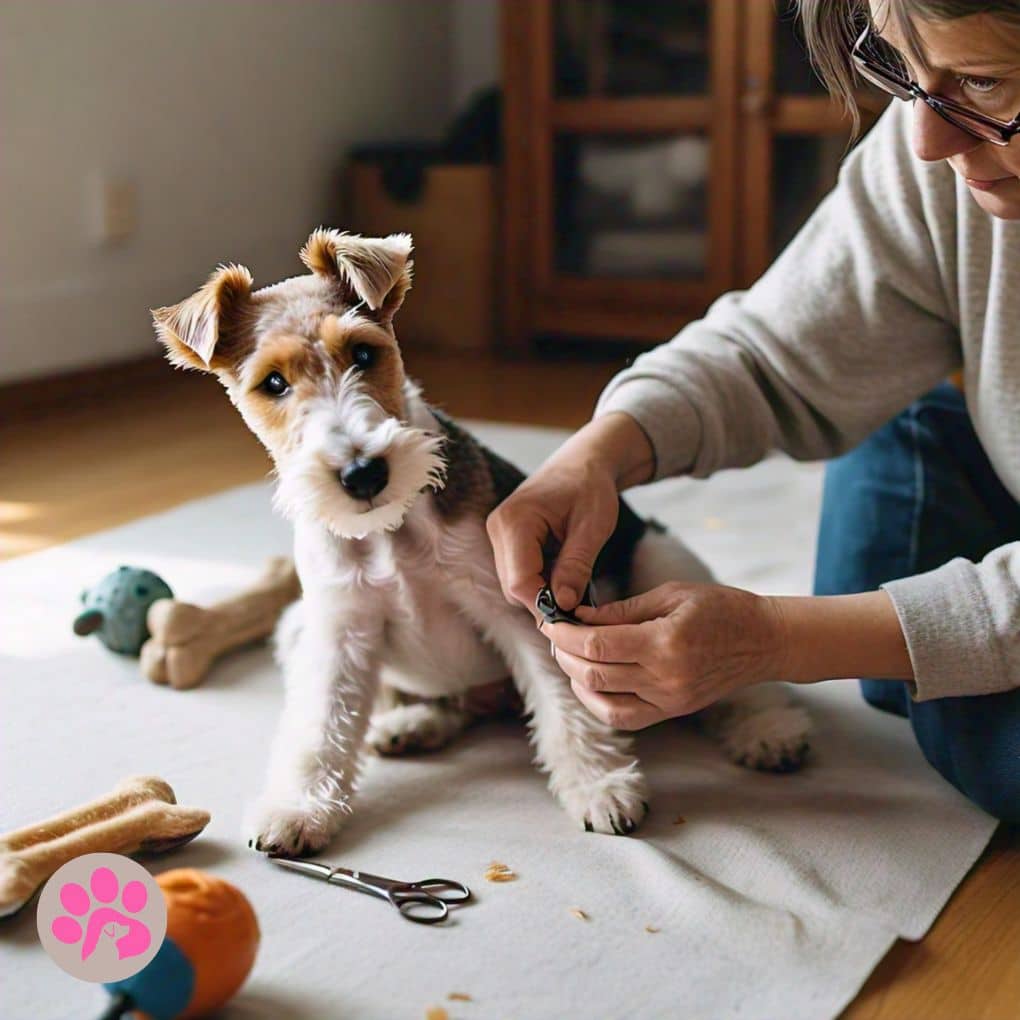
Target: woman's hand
{"x":573,"y":497}
{"x":681,"y":647}
{"x":669,"y":652}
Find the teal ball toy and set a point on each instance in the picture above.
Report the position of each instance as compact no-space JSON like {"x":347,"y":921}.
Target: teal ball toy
{"x":115,"y":608}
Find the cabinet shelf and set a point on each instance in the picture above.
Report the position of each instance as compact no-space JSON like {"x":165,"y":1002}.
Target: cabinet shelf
{"x":820,"y":115}
{"x":640,"y":115}
{"x":609,"y":324}
{"x":808,"y":115}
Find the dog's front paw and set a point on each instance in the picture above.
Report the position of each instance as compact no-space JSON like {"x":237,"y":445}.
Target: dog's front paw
{"x":289,"y":830}
{"x":614,"y":803}
{"x":774,"y":740}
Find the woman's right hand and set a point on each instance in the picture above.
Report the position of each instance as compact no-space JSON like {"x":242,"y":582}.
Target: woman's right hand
{"x":573,"y":497}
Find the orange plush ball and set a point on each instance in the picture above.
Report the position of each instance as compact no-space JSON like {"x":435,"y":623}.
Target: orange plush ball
{"x":214,"y":926}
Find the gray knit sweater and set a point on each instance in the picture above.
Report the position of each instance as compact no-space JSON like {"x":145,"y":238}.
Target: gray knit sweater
{"x":897,"y":280}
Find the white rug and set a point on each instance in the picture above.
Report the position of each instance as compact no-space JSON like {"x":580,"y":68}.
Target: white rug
{"x":775,"y":898}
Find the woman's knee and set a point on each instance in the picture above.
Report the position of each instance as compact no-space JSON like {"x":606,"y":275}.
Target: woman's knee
{"x":886,"y":695}
{"x":975,"y":744}
{"x":870,"y":503}
{"x":998,"y":795}
{"x":913,"y":495}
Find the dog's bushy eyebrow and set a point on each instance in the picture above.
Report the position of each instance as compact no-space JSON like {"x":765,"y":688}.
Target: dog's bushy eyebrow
{"x":284,"y":354}
{"x":338,"y":332}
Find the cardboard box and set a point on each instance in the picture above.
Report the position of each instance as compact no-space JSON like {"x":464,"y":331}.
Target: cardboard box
{"x":452,"y":305}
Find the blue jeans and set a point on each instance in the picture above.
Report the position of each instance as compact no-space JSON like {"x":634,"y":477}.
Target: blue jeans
{"x":916,"y":494}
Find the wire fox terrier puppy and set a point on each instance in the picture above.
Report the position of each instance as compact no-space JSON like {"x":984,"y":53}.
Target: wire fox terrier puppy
{"x":402,"y":613}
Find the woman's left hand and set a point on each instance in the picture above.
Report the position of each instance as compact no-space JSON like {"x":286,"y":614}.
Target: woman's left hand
{"x":669,"y":652}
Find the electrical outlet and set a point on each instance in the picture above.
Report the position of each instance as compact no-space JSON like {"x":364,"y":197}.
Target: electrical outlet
{"x":113,"y":212}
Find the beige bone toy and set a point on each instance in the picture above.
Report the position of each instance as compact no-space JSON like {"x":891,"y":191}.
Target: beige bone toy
{"x":187,"y":638}
{"x":140,"y":815}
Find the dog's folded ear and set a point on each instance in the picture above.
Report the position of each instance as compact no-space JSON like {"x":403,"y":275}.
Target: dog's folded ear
{"x":194,"y":331}
{"x":373,"y":270}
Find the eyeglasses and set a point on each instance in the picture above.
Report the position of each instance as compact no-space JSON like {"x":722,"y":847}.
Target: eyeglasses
{"x":883,"y":66}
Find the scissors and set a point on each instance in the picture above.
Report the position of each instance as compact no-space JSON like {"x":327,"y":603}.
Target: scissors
{"x":426,"y":902}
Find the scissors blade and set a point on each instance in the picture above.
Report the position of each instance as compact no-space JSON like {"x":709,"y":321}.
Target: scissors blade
{"x":314,"y":869}
{"x":359,"y":881}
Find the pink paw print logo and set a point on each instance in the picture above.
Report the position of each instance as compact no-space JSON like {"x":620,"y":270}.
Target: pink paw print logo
{"x":101,"y":917}
{"x":130,"y":936}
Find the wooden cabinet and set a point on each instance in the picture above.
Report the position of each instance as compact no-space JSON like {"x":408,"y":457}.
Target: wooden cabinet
{"x":656,"y":154}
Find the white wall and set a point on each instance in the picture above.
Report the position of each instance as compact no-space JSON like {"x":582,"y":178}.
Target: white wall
{"x":231,"y":116}
{"x":475,"y":58}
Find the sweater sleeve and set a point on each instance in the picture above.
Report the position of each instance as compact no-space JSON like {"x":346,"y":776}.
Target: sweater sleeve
{"x":961,"y":623}
{"x":856,"y":319}
{"x":849,"y":326}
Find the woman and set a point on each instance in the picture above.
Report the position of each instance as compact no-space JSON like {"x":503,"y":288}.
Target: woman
{"x":907,"y":272}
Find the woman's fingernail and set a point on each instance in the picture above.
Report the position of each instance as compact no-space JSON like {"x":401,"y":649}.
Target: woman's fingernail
{"x":566,"y":597}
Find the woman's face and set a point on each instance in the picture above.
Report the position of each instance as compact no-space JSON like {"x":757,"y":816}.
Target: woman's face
{"x":975,"y":61}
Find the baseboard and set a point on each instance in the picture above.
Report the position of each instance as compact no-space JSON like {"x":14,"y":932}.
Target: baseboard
{"x":31,"y":399}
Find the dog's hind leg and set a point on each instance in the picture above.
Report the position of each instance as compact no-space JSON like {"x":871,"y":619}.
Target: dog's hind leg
{"x":592,"y":769}
{"x":759,"y":727}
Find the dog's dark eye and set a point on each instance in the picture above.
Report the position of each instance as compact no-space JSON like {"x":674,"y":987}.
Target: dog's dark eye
{"x":274,"y":384}
{"x":363,"y":355}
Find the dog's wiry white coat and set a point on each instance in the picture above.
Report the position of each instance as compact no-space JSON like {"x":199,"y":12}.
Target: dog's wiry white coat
{"x":400,"y":592}
{"x":400,"y":596}
{"x":420,"y":609}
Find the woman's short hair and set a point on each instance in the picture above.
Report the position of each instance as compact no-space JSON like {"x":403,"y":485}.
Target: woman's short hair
{"x":832,"y":26}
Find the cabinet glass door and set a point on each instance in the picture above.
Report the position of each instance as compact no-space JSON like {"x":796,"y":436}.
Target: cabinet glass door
{"x":631,"y":47}
{"x":637,"y":188}
{"x":631,"y":207}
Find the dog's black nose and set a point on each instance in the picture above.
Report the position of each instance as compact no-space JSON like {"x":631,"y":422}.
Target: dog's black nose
{"x":365,"y":477}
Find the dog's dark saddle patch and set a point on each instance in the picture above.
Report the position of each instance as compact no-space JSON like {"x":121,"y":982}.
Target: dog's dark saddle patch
{"x":479,"y":478}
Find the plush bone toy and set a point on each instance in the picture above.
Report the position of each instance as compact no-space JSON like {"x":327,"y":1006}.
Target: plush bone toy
{"x":187,"y":638}
{"x":140,"y":815}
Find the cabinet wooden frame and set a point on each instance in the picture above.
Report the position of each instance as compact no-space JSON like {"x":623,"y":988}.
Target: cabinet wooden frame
{"x":741,"y":115}
{"x":536,"y":297}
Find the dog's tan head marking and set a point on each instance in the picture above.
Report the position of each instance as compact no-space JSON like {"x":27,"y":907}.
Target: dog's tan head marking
{"x":309,"y":329}
{"x":374,"y":271}
{"x":350,"y":342}
{"x":313,"y":366}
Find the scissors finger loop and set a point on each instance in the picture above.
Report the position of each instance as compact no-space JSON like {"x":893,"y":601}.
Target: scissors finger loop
{"x":444,"y":889}
{"x":419,"y":906}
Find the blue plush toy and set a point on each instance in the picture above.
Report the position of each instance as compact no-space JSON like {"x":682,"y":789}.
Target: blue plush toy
{"x":115,"y":609}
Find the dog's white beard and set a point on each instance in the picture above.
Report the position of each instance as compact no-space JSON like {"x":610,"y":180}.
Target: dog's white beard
{"x":332,"y":434}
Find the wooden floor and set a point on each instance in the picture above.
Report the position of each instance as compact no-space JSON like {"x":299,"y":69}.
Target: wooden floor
{"x":105,"y":448}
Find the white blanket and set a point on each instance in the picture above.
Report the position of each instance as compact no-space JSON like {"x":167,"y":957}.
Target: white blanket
{"x":774,"y":898}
